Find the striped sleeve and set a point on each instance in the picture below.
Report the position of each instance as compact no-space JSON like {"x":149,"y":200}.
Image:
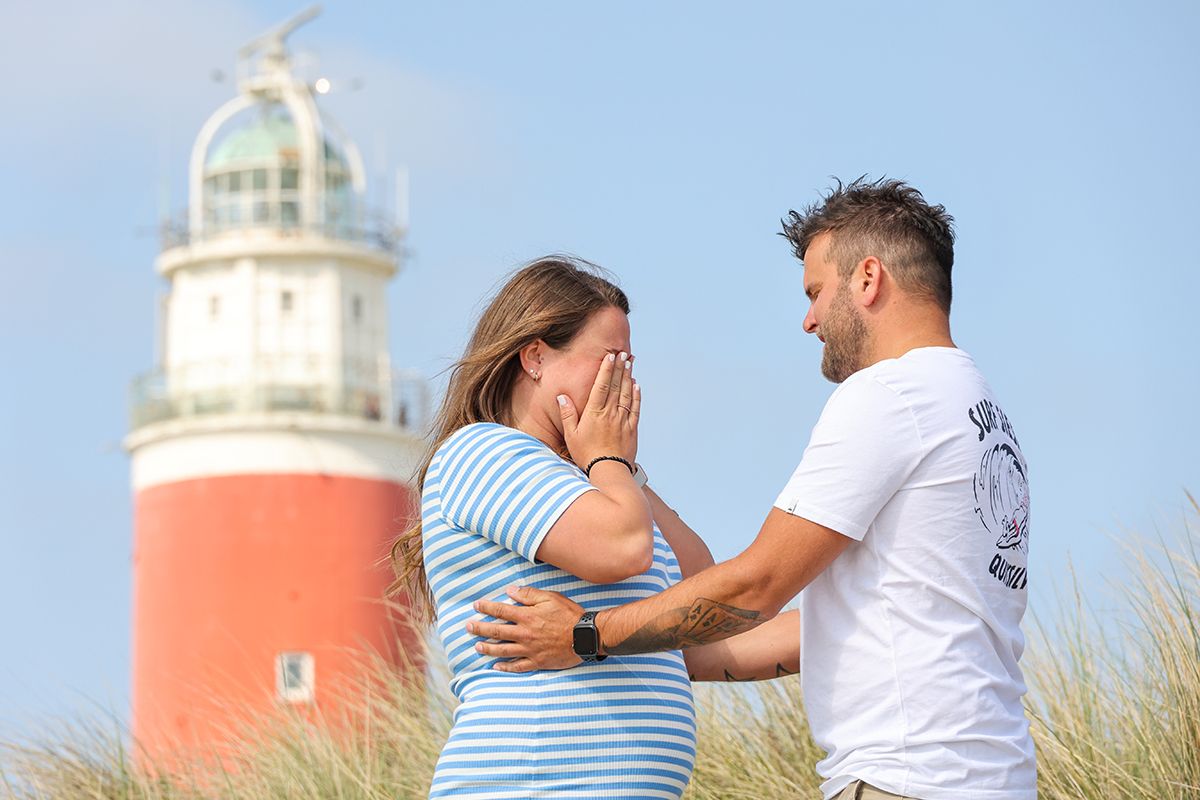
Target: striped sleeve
{"x":506,"y":486}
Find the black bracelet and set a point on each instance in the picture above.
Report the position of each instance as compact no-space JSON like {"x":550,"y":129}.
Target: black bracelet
{"x":588,"y":469}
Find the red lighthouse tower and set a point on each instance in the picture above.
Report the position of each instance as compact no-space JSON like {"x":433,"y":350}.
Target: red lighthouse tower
{"x":272,"y":449}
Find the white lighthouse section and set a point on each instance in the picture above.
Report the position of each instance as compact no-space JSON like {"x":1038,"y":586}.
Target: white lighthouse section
{"x":276,"y":320}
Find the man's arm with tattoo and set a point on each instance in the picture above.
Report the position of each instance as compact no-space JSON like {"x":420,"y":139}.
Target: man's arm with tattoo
{"x":772,"y":650}
{"x":706,"y":620}
{"x":720,"y":602}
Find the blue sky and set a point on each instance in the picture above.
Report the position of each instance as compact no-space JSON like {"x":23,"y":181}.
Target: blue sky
{"x":663,"y":141}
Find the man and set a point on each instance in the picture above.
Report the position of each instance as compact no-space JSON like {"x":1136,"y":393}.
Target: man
{"x":906,"y":525}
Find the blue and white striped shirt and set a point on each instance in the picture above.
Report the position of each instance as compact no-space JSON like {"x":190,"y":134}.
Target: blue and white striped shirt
{"x":624,"y":727}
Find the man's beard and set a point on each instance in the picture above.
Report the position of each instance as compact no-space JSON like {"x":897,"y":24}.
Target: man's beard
{"x":846,"y":338}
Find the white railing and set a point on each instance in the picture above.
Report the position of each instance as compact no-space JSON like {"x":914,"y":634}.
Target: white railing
{"x":375,"y":232}
{"x":397,"y":398}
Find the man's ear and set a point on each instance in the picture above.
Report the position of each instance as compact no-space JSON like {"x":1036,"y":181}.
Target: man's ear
{"x":868,"y":280}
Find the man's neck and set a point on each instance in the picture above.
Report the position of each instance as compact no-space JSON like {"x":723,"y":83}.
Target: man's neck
{"x":910,"y":334}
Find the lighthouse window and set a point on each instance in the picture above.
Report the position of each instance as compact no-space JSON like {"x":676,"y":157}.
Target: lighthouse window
{"x":262,"y":212}
{"x":289,"y":178}
{"x":356,"y":305}
{"x":235,"y":181}
{"x":285,"y":301}
{"x":289,"y":212}
{"x":260,"y":179}
{"x":295,"y":677}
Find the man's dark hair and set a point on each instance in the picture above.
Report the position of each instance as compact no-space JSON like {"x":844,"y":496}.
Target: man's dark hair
{"x":887,"y":219}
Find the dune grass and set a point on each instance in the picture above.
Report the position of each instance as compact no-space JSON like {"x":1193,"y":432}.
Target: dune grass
{"x":1114,"y":704}
{"x":1115,"y":697}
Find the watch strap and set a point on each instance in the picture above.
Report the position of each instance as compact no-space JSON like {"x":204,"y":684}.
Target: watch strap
{"x":639,"y":476}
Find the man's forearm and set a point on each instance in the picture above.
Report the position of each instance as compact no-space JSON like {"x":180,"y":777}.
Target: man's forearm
{"x":722,"y":601}
{"x":772,"y":650}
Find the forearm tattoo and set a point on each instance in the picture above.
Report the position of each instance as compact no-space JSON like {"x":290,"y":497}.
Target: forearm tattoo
{"x":705,"y":621}
{"x":780,"y":672}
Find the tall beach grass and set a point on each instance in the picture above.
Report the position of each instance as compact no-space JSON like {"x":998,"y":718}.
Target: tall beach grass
{"x":1114,"y":704}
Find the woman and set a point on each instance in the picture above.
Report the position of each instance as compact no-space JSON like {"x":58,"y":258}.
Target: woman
{"x":530,"y":481}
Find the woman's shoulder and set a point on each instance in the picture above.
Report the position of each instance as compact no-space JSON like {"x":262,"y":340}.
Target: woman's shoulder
{"x":479,"y":436}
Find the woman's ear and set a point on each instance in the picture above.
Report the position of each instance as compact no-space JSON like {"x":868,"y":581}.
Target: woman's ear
{"x":531,"y":359}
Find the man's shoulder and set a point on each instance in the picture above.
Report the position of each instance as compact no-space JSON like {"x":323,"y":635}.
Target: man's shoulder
{"x":922,"y":362}
{"x":938,"y":371}
{"x":871,"y":386}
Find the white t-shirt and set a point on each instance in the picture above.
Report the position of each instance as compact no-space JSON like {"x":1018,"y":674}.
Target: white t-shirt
{"x":910,"y":639}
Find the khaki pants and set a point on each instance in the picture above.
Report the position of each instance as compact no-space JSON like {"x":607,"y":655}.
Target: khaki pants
{"x":865,"y":791}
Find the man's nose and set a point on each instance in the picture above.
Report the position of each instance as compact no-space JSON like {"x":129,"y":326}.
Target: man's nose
{"x":810,"y":322}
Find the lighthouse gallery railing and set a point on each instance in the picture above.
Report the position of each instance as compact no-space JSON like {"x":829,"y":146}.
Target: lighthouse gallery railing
{"x":365,"y":391}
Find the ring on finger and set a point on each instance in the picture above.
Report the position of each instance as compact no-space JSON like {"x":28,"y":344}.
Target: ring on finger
{"x":626,"y":408}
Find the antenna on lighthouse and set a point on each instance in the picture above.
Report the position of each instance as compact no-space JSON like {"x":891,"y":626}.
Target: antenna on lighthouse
{"x":402,"y":200}
{"x":272,"y":43}
{"x":164,"y":184}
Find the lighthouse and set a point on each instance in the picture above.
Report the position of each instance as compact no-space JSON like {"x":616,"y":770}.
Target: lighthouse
{"x":273,"y":447}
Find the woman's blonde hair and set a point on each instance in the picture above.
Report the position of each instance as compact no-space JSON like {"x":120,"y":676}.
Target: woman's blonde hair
{"x":550,"y":299}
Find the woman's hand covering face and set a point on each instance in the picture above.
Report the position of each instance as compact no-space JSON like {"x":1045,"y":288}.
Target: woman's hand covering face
{"x":608,"y":423}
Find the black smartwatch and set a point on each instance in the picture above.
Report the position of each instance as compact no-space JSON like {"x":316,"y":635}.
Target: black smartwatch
{"x":585,"y":639}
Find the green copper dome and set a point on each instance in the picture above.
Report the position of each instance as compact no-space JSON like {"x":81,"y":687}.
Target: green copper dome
{"x":268,"y":136}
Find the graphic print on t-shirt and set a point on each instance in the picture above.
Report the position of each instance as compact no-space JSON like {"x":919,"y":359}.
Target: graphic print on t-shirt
{"x":1002,"y":498}
{"x":1002,"y":494}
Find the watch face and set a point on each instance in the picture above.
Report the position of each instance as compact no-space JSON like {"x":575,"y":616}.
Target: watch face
{"x":585,"y":642}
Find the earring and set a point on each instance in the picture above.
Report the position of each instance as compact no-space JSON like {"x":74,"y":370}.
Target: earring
{"x":536,"y":376}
